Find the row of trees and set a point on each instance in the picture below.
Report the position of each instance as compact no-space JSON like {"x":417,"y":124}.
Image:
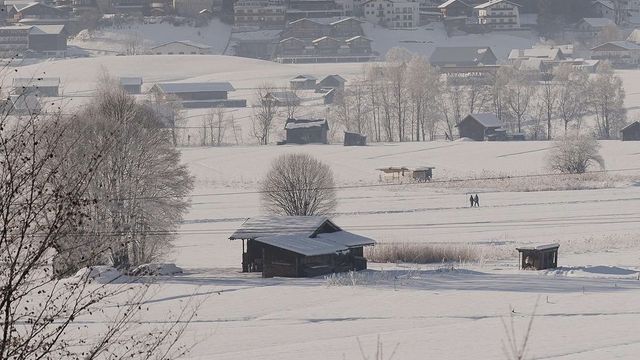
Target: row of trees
{"x":408,"y":100}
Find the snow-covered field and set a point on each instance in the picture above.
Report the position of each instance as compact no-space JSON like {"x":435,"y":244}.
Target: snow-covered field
{"x":587,"y":309}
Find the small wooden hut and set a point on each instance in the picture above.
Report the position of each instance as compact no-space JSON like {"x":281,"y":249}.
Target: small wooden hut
{"x":631,"y":132}
{"x":299,"y":246}
{"x":419,"y":174}
{"x":354,"y":139}
{"x":539,"y":257}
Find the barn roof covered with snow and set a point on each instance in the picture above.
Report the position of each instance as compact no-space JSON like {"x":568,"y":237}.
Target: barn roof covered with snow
{"x":305,"y":123}
{"x":488,"y":120}
{"x":268,"y":226}
{"x":175,"y":88}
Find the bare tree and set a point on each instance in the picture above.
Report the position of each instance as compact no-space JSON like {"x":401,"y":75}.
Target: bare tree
{"x":519,"y":91}
{"x":422,"y":86}
{"x":217,"y":124}
{"x":607,"y":101}
{"x":298,"y":184}
{"x":548,"y":99}
{"x":575,"y":155}
{"x":571,"y":94}
{"x":133,"y":44}
{"x":264,"y":115}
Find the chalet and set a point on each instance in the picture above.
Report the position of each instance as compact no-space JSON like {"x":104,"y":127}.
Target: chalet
{"x":43,"y":87}
{"x":326,"y":45}
{"x":299,"y":246}
{"x":197,"y":95}
{"x":480,"y":126}
{"x":306,"y":131}
{"x":346,"y":27}
{"x":619,"y":53}
{"x":538,"y":257}
{"x":359,"y":45}
{"x":631,"y":132}
{"x":291,"y":46}
{"x":282,"y":98}
{"x":132,"y":85}
{"x":589,"y":28}
{"x":306,"y":29}
{"x":14,"y":41}
{"x":260,"y":44}
{"x":267,"y":14}
{"x":182,"y":47}
{"x":354,"y":139}
{"x":456,"y":8}
{"x":332,"y":82}
{"x":49,"y":40}
{"x":498,"y":15}
{"x":394,"y":14}
{"x":303,"y":82}
{"x":468,"y":56}
{"x":37,"y":13}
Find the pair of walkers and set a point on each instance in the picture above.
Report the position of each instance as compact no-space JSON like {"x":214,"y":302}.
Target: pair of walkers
{"x":474,"y":200}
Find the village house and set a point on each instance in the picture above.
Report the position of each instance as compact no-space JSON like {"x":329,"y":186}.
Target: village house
{"x":197,"y":95}
{"x":303,"y":82}
{"x":42,"y":87}
{"x":306,"y":131}
{"x":394,"y":14}
{"x":326,"y":45}
{"x":481,"y":127}
{"x":264,"y":14}
{"x":622,"y":54}
{"x":299,"y":246}
{"x":132,"y":85}
{"x":36,"y":13}
{"x":359,"y":45}
{"x":259,"y":44}
{"x":468,"y":56}
{"x":48,"y":40}
{"x":14,"y":41}
{"x":604,"y":9}
{"x":298,"y":9}
{"x":590,"y":28}
{"x":282,"y":98}
{"x":456,"y":8}
{"x":310,"y":29}
{"x":498,"y":15}
{"x":291,"y":47}
{"x":631,"y":132}
{"x":332,"y":82}
{"x":182,"y":47}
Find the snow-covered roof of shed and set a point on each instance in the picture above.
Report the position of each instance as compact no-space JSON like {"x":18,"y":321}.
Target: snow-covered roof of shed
{"x":487,"y":119}
{"x":304,"y":123}
{"x":336,"y":77}
{"x":346,"y":238}
{"x":173,"y":88}
{"x":303,"y":245}
{"x":266,"y":226}
{"x":36,"y":82}
{"x":48,"y":29}
{"x":540,"y":247}
{"x":635,"y":123}
{"x":130,"y":81}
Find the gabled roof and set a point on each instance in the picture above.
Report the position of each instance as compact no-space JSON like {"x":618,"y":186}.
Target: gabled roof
{"x":304,"y":77}
{"x":447,"y":3}
{"x":494,"y":2}
{"x":633,"y":124}
{"x":283,"y":96}
{"x":291,"y":39}
{"x":23,"y":7}
{"x":324,"y":38}
{"x":338,"y":78}
{"x":634,"y":36}
{"x":623,"y":45}
{"x":175,"y":88}
{"x":266,"y":226}
{"x":323,"y":244}
{"x":305,"y":123}
{"x":36,"y":82}
{"x":599,"y":22}
{"x":606,"y":3}
{"x":358,"y":37}
{"x":185,"y":42}
{"x":549,"y":53}
{"x":130,"y":81}
{"x":47,"y":29}
{"x":488,"y":120}
{"x":345,"y":20}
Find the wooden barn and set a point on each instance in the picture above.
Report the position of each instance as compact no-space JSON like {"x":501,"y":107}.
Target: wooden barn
{"x":198,"y":95}
{"x":299,"y":246}
{"x":303,"y":82}
{"x":132,"y":85}
{"x":631,"y":132}
{"x":539,"y":257}
{"x":44,"y":87}
{"x":401,"y":173}
{"x":306,"y":131}
{"x":332,"y":82}
{"x":354,"y":139}
{"x":480,"y":127}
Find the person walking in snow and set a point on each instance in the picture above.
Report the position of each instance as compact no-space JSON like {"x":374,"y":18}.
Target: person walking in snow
{"x":477,"y":200}
{"x":471,"y":200}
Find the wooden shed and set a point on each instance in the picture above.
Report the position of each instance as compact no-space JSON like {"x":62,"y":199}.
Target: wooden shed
{"x":631,"y":132}
{"x":299,"y":246}
{"x":43,"y":87}
{"x":538,"y":257}
{"x":419,"y":174}
{"x":306,"y":131}
{"x":303,"y":82}
{"x":480,"y":127}
{"x":132,"y":85}
{"x":354,"y":139}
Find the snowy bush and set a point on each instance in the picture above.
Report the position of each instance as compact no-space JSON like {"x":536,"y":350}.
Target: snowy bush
{"x":575,"y":155}
{"x":421,"y":253}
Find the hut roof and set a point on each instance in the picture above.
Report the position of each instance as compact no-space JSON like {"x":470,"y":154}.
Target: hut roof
{"x":326,"y":243}
{"x":305,"y":123}
{"x":633,"y":124}
{"x":268,"y":226}
{"x":539,"y":247}
{"x":488,"y":120}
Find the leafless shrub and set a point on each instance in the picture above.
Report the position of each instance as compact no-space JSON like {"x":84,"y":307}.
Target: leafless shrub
{"x":421,"y":253}
{"x":575,"y":155}
{"x":299,"y":184}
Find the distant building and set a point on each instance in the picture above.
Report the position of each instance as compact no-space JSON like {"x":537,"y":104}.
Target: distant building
{"x":282,"y":98}
{"x":480,"y":126}
{"x":547,"y":53}
{"x":132,"y":85}
{"x":604,"y":9}
{"x":197,"y":95}
{"x":22,"y":104}
{"x":498,"y":15}
{"x":631,"y":132}
{"x":590,"y":28}
{"x":298,"y":9}
{"x":393,"y":14}
{"x":182,"y":47}
{"x":354,"y":139}
{"x":467,"y":56}
{"x":191,"y":8}
{"x":619,"y":53}
{"x":299,"y":246}
{"x":43,"y":87}
{"x":309,"y":29}
{"x":303,"y":82}
{"x":456,"y":8}
{"x":332,"y":82}
{"x":259,"y":44}
{"x":267,"y":14}
{"x":14,"y":41}
{"x":49,"y":40}
{"x":36,"y":13}
{"x":306,"y":131}
{"x":129,"y":7}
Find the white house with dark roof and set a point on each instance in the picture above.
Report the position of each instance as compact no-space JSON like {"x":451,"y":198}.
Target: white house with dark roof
{"x":394,"y":14}
{"x":181,"y":47}
{"x":498,"y":14}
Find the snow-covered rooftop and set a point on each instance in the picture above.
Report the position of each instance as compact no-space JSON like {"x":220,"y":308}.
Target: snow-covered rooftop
{"x":304,"y":124}
{"x":268,"y":226}
{"x":173,"y":88}
{"x":36,"y":82}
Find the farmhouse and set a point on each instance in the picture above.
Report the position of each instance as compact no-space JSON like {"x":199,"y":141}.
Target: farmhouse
{"x":181,"y":47}
{"x":132,"y":85}
{"x":299,"y":246}
{"x":466,"y":56}
{"x":619,"y":53}
{"x":332,"y":82}
{"x":354,"y":139}
{"x":303,"y":82}
{"x":198,"y":95}
{"x":258,"y":44}
{"x":44,"y":87}
{"x":480,"y":126}
{"x":306,"y":131}
{"x":36,"y":13}
{"x":631,"y":132}
{"x":48,"y":40}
